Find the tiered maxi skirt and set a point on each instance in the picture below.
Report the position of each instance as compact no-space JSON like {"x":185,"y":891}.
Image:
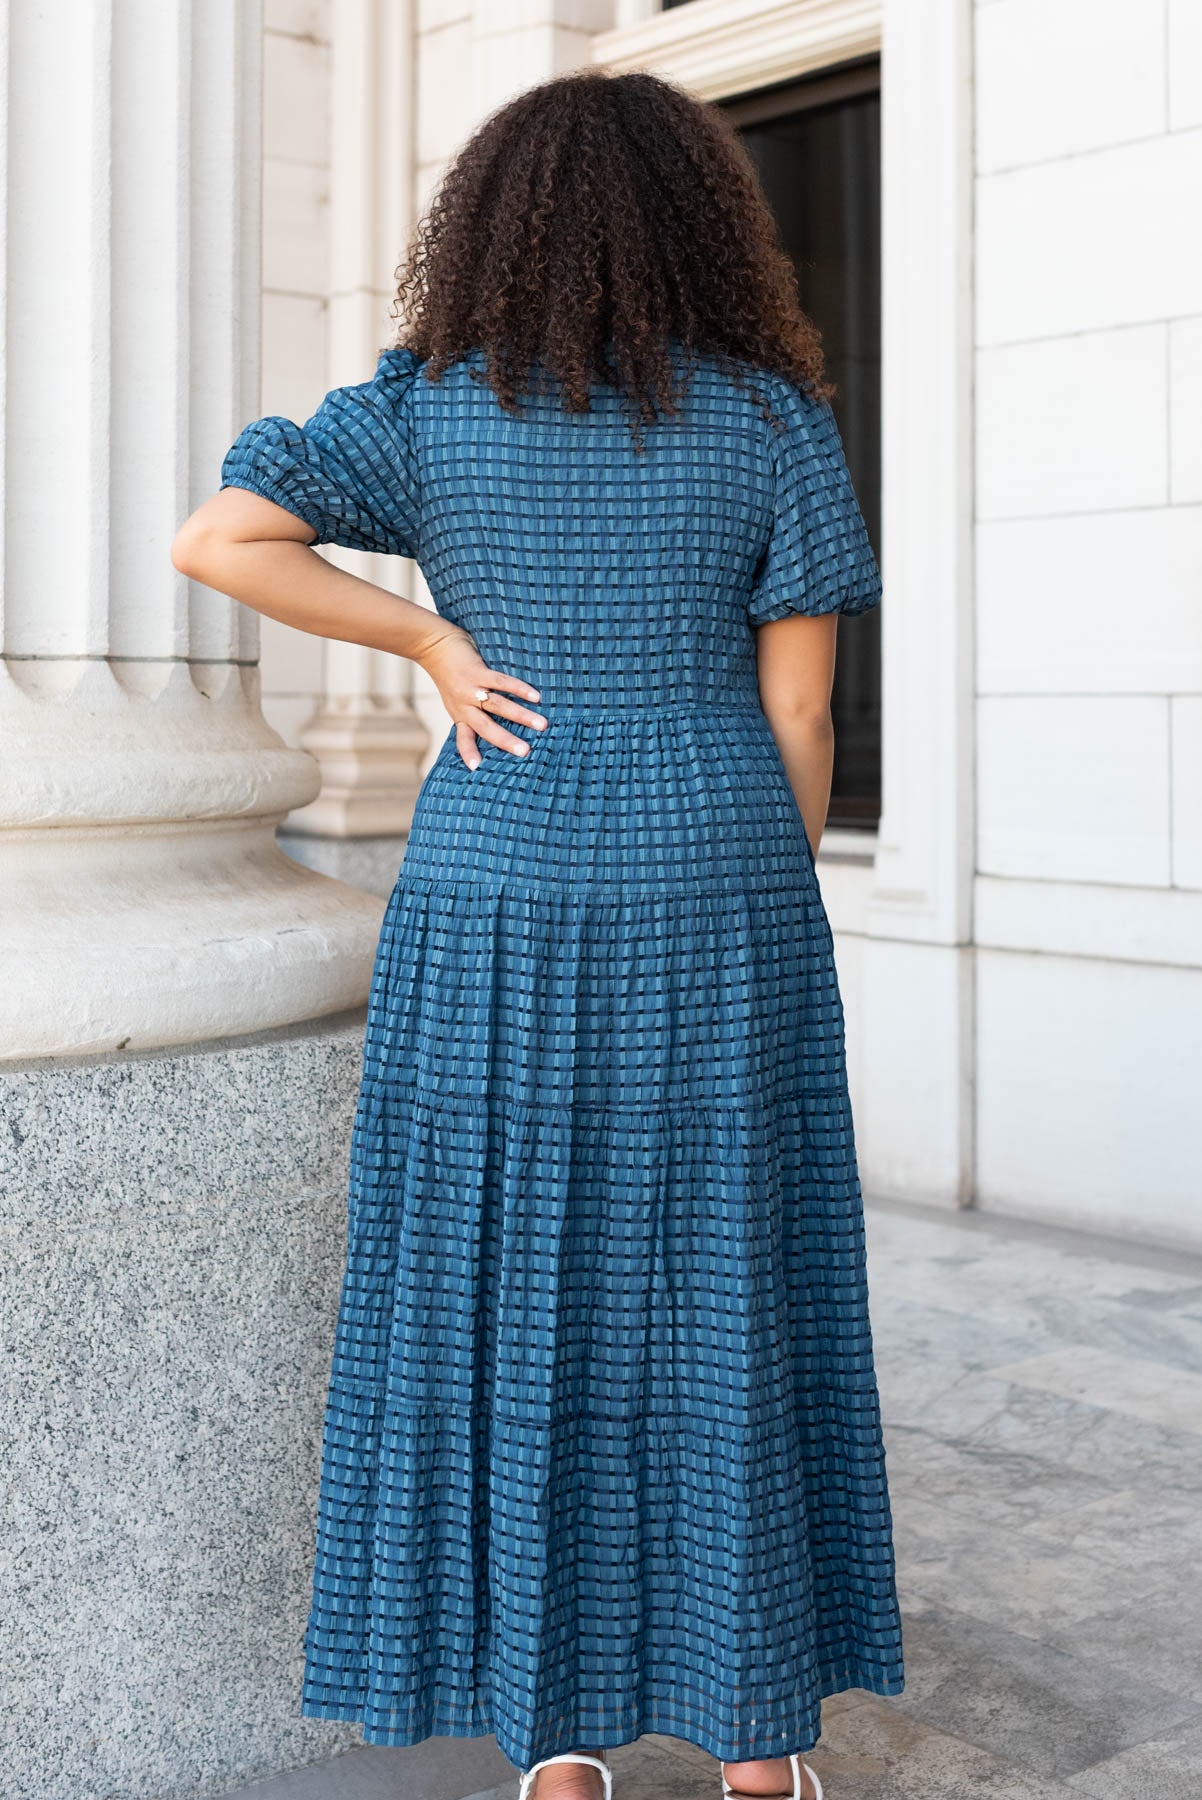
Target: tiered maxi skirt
{"x":603,"y":1449}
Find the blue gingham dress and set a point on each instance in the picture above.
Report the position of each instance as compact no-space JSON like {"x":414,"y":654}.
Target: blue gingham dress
{"x":602,"y":1451}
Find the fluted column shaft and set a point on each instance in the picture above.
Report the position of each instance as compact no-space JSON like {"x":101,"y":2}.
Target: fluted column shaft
{"x":144,"y":902}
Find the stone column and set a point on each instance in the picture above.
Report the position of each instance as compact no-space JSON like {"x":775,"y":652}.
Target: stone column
{"x":365,"y":734}
{"x":173,"y":1204}
{"x":145,"y":902}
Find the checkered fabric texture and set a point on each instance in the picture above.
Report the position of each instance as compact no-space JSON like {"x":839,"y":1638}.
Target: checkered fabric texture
{"x":603,"y":1450}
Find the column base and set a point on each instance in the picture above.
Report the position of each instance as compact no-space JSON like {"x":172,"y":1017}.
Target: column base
{"x":370,"y":753}
{"x":137,"y":937}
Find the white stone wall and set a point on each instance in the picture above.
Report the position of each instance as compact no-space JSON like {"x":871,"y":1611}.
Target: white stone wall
{"x":1089,"y":641}
{"x":296,"y":261}
{"x":445,"y":106}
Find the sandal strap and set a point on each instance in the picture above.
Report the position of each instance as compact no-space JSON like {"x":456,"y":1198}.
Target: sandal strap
{"x":568,"y":1756}
{"x":796,"y":1765}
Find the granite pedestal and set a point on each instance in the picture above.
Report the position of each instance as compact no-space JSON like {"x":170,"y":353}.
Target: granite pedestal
{"x":172,"y":1233}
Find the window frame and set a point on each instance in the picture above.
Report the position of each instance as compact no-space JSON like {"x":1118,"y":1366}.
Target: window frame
{"x":860,"y":734}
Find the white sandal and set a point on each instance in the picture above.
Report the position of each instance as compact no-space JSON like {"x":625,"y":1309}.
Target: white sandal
{"x":729,"y":1793}
{"x":597,"y":1762}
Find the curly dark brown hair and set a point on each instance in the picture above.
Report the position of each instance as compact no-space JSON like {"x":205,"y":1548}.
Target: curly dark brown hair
{"x":583,"y":226}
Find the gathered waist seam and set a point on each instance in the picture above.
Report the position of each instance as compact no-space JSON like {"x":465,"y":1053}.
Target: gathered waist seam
{"x":572,"y":709}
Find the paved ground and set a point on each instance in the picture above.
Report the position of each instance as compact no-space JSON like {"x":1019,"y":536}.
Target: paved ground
{"x":1044,"y":1399}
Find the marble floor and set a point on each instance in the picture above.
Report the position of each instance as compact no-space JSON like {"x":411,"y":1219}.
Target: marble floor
{"x":1043,"y":1393}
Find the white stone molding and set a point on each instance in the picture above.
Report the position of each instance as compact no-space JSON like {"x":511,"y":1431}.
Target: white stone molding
{"x":633,"y":12}
{"x":924,"y":861}
{"x":366,"y":735}
{"x":144,"y":902}
{"x":720,"y":47}
{"x":918,"y":1023}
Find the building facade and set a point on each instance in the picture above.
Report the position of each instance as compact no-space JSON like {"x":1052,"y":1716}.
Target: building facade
{"x":1013,"y":871}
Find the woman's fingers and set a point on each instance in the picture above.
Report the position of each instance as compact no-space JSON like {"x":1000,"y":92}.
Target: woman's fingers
{"x":498,"y":707}
{"x":499,"y":687}
{"x":485,"y":726}
{"x":465,"y":743}
{"x":494,"y":678}
{"x":480,"y":724}
{"x":481,"y":702}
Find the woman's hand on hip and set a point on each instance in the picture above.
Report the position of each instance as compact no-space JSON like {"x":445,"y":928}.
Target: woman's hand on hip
{"x":461,"y":676}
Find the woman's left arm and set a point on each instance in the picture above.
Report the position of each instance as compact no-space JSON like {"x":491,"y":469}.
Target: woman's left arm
{"x":795,"y":662}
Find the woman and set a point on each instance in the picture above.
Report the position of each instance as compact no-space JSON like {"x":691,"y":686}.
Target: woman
{"x":602,"y":1450}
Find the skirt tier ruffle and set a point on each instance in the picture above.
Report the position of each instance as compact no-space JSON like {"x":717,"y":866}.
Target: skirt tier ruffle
{"x":602,"y":1449}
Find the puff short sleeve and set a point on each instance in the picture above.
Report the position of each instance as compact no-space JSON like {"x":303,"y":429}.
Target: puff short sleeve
{"x":350,"y":471}
{"x":818,"y":558}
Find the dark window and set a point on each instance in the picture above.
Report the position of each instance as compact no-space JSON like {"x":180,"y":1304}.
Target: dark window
{"x":817,"y":146}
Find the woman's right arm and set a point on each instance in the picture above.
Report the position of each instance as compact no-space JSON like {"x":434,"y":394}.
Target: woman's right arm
{"x":259,"y":554}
